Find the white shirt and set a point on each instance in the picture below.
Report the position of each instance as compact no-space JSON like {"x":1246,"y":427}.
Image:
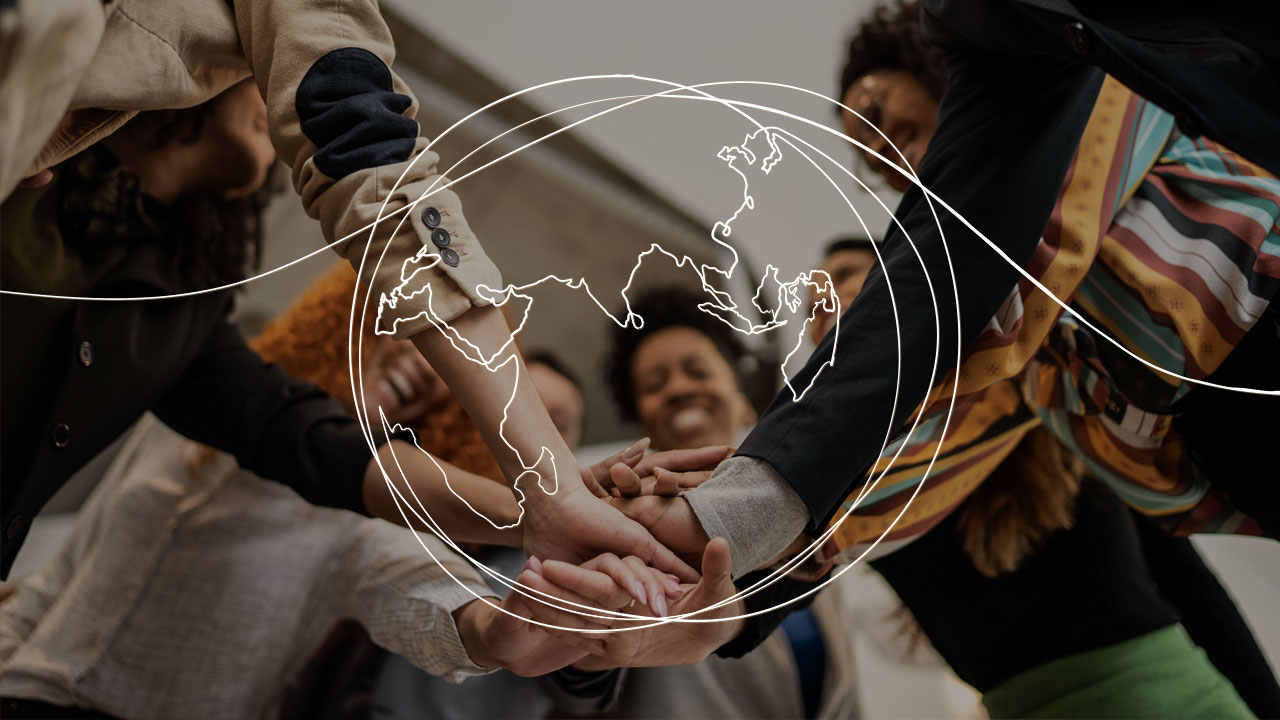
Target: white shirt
{"x":199,"y":595}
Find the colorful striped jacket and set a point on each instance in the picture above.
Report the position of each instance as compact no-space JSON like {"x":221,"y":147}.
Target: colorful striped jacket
{"x":1168,"y":244}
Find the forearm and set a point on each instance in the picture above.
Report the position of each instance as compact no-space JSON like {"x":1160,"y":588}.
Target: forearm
{"x":515,"y":425}
{"x":471,"y":619}
{"x":466,"y":507}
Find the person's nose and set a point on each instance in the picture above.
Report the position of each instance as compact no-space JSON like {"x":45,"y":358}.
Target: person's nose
{"x":876,"y":144}
{"x":679,"y":387}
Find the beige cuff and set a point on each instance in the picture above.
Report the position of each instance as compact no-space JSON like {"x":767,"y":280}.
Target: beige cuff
{"x":435,"y":645}
{"x":420,"y":280}
{"x":433,"y":283}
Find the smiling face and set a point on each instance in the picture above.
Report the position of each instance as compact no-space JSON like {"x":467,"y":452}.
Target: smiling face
{"x":686,"y":393}
{"x":848,"y":270}
{"x":398,"y":379}
{"x":902,"y":108}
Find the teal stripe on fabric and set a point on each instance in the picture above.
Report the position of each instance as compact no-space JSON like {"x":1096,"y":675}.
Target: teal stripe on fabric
{"x":1261,"y":210}
{"x":926,"y":432}
{"x":1157,"y":125}
{"x":1148,"y":137}
{"x":883,"y":491}
{"x":1111,"y":300}
{"x":1211,"y":162}
{"x":1271,"y":245}
{"x":1149,"y":501}
{"x":1071,"y":400}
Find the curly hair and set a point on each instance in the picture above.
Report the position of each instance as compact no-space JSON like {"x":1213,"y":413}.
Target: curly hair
{"x":217,"y":240}
{"x":309,"y":341}
{"x":891,"y":39}
{"x":662,"y":308}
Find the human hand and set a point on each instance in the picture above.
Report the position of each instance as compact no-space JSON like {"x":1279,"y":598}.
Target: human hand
{"x":672,"y":643}
{"x":503,"y":636}
{"x":595,"y":476}
{"x":495,"y":639}
{"x":573,"y":525}
{"x":670,"y":520}
{"x":664,"y":473}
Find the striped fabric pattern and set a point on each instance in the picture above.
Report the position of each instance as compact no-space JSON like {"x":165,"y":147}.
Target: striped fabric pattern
{"x":1190,"y":264}
{"x":1171,"y":245}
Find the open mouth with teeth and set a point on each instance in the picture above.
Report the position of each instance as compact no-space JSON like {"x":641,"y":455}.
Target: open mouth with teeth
{"x":692,"y":418}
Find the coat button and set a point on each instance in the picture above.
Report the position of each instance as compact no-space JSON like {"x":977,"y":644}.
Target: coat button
{"x":1078,"y":37}
{"x":86,"y":353}
{"x":60,"y":435}
{"x":15,"y":527}
{"x":449,"y":256}
{"x":440,"y":237}
{"x":431,"y":217}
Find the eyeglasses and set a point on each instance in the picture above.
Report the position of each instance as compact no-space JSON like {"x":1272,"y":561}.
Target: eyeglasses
{"x":869,"y":103}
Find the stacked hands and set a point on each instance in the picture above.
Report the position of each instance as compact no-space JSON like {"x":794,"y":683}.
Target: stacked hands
{"x":609,"y":559}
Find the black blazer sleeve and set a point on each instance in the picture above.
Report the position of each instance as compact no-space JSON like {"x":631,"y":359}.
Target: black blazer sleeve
{"x":276,"y":426}
{"x":769,"y":602}
{"x":1007,"y":130}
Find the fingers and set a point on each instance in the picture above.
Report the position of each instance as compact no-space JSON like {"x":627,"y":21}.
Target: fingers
{"x":705,"y":458}
{"x":628,"y":576}
{"x":635,"y":453}
{"x":626,"y":482}
{"x":691,"y":479}
{"x":629,"y":457}
{"x":717,"y":581}
{"x":563,"y":621}
{"x":604,"y":581}
{"x":656,"y":584}
{"x":589,"y":479}
{"x":665,"y":483}
{"x":659,"y":556}
{"x":40,"y":179}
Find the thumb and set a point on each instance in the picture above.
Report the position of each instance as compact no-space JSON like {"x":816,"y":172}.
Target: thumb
{"x":717,"y":563}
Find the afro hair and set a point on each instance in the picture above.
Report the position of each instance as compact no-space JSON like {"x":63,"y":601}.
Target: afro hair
{"x":662,"y":308}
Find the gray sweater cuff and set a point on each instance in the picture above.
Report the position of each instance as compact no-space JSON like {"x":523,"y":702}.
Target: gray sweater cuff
{"x":749,"y":504}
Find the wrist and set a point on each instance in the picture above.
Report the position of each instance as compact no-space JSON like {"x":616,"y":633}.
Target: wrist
{"x":472,"y":621}
{"x":564,"y":483}
{"x":730,"y":629}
